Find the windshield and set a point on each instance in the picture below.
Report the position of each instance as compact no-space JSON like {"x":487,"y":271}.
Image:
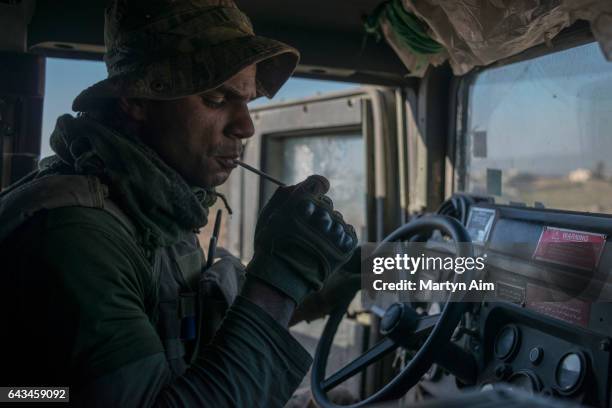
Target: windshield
{"x":540,"y":131}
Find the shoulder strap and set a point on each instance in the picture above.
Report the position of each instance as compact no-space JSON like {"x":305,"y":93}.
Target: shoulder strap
{"x":56,"y":191}
{"x":117,"y":212}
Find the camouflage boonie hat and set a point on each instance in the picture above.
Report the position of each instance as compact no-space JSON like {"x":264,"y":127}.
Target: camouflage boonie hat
{"x":168,"y":49}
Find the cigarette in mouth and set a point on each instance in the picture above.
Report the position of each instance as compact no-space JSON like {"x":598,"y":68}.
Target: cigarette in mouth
{"x":260,"y":173}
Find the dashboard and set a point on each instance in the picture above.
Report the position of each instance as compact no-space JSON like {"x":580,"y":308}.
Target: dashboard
{"x":546,"y":329}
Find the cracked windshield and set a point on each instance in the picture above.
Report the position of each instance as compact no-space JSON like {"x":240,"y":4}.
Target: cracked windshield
{"x":538,"y":132}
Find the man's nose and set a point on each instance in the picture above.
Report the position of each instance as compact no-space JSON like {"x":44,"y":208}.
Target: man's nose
{"x":241,"y":125}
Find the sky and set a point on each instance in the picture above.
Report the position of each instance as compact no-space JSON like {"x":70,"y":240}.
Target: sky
{"x":67,"y":78}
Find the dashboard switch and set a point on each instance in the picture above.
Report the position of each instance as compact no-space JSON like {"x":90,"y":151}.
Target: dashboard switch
{"x":535,"y":355}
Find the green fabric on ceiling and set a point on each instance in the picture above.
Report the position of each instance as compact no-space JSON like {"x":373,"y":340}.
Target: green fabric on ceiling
{"x":409,"y":29}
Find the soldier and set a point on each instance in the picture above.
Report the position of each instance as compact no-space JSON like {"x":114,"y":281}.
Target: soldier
{"x":103,"y":285}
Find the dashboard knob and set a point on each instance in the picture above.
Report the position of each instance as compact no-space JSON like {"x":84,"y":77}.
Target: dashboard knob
{"x":535,"y":355}
{"x":391,"y":318}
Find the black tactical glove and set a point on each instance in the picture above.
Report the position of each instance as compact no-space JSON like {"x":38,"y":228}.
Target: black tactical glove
{"x":338,"y":290}
{"x":300,"y":240}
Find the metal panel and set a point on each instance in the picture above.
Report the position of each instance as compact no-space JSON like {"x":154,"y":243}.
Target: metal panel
{"x":433,"y":122}
{"x":417,"y":157}
{"x":402,"y":152}
{"x":14,"y":19}
{"x":22,"y":75}
{"x":22,"y":85}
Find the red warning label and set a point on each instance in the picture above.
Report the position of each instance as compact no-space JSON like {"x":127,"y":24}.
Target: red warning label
{"x":577,"y":249}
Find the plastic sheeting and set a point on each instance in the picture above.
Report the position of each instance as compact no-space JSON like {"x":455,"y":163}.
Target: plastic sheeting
{"x":599,"y":14}
{"x":480,"y":32}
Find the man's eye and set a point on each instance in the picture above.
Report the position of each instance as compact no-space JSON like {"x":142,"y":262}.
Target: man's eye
{"x":213,"y":101}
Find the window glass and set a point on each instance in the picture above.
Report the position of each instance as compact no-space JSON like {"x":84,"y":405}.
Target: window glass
{"x":539,"y":131}
{"x":340,"y":158}
{"x":65,"y":79}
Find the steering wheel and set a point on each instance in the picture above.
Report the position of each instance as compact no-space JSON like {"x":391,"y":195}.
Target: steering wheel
{"x":401,"y":326}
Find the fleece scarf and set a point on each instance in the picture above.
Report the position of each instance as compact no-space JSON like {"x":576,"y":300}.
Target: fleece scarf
{"x":155,"y":196}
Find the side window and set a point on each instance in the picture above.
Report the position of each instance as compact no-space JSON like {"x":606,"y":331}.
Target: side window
{"x":338,"y":156}
{"x":65,"y":79}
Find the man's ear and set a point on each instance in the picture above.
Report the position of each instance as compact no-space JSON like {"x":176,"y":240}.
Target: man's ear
{"x":134,"y":108}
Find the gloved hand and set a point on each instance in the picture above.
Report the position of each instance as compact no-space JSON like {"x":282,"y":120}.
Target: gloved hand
{"x":300,"y":240}
{"x":339,"y":290}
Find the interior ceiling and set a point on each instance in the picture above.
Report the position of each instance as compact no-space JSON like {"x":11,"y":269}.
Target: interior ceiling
{"x":328,"y":33}
{"x":334,"y":15}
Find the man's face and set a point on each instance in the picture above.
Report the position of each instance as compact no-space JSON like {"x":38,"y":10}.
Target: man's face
{"x":200,"y":135}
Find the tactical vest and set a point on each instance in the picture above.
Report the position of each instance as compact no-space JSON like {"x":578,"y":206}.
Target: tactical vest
{"x":185,"y":291}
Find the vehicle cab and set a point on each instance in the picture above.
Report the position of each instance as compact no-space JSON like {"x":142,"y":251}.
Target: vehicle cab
{"x":513,"y":149}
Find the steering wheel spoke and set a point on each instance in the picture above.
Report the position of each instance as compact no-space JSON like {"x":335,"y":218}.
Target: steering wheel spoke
{"x":381,"y":349}
{"x":401,"y":325}
{"x":425,"y":325}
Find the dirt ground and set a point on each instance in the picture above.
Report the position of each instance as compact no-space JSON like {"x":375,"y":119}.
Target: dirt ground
{"x":593,"y":195}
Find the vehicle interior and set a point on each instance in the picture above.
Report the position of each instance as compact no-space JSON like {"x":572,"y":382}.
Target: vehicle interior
{"x":514,"y":147}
